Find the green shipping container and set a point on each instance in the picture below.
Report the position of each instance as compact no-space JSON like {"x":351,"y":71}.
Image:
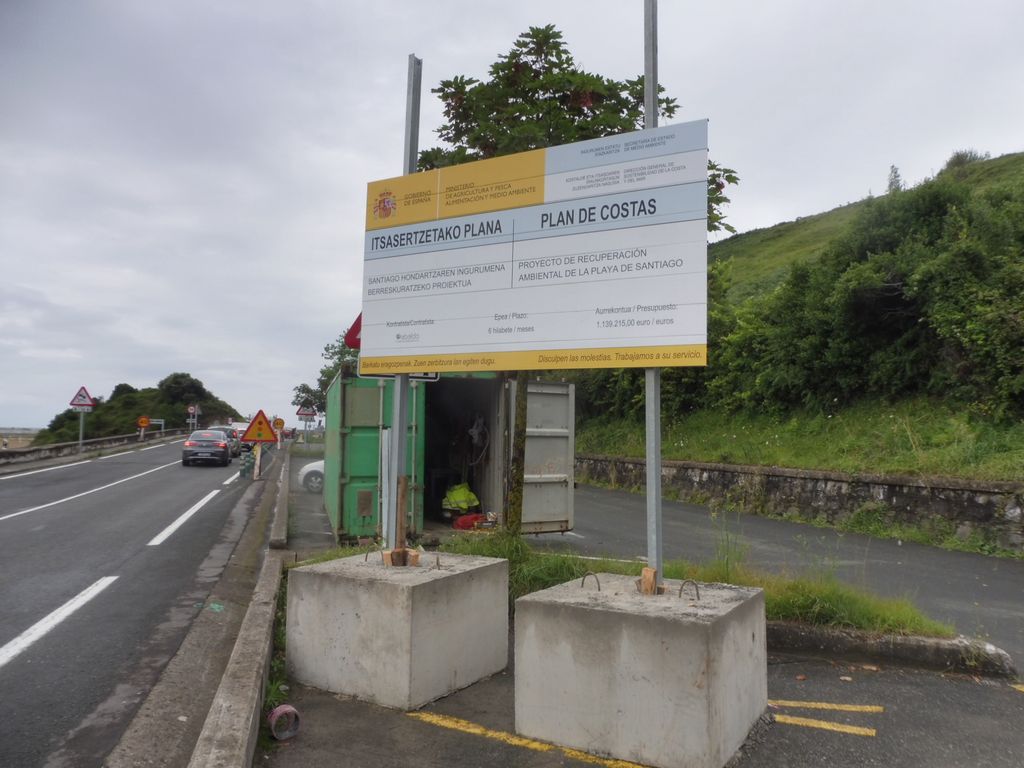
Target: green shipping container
{"x":458,"y":433}
{"x":358,"y":413}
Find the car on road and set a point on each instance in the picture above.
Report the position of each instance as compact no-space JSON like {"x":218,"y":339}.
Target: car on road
{"x":240,"y":428}
{"x":311,"y":476}
{"x":206,"y":445}
{"x":234,"y":437}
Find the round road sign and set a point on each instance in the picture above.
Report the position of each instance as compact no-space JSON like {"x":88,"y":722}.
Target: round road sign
{"x":142,"y":422}
{"x":191,"y":410}
{"x":278,"y":423}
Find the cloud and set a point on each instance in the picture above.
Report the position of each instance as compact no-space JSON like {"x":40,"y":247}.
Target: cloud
{"x":182,"y":185}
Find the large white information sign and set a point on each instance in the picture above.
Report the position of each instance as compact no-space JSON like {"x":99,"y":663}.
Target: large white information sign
{"x":588,"y":255}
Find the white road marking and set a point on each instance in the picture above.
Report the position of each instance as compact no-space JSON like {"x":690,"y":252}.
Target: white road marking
{"x":161,"y":537}
{"x":150,"y":448}
{"x":41,"y":627}
{"x":122,"y":453}
{"x":85,"y":493}
{"x":48,"y":469}
{"x":231,"y":479}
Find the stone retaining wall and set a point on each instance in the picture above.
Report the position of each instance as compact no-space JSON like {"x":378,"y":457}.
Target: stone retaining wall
{"x":989,"y":510}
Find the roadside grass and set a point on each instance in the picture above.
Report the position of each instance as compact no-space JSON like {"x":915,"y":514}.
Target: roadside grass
{"x":917,"y":436}
{"x":818,"y":599}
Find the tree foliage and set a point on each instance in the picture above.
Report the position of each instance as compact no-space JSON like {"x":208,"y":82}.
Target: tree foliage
{"x":168,"y":400}
{"x":337,"y":355}
{"x":923,"y":294}
{"x":536,"y":96}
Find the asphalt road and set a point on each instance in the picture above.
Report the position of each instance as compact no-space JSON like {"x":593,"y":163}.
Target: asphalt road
{"x":980,"y":596}
{"x":103,"y":565}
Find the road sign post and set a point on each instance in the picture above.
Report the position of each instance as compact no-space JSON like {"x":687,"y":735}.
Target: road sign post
{"x":306,"y":415}
{"x":652,"y":376}
{"x":83,"y":403}
{"x":259,"y":431}
{"x":400,"y":391}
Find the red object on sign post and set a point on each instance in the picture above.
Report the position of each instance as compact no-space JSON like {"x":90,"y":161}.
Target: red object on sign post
{"x":352,"y":335}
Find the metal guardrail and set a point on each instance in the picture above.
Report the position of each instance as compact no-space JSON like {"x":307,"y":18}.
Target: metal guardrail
{"x":11,"y":456}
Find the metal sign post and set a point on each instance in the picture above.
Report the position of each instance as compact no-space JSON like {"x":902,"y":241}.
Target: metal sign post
{"x":652,"y":376}
{"x":399,"y":409}
{"x":83,"y":403}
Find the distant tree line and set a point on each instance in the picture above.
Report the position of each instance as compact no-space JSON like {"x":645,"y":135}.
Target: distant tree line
{"x":117,"y":415}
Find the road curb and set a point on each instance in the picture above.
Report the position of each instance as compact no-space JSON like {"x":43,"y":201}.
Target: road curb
{"x":228,"y":738}
{"x":279,"y":528}
{"x":960,"y":654}
{"x":231,"y":729}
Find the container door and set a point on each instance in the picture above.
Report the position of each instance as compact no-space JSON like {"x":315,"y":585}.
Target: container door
{"x":550,"y":456}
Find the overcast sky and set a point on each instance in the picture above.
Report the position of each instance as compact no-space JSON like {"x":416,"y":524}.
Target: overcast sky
{"x":182,"y":184}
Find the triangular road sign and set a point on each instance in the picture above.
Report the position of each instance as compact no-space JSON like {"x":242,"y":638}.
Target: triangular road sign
{"x":305,"y":410}
{"x":259,"y":430}
{"x":82,"y":397}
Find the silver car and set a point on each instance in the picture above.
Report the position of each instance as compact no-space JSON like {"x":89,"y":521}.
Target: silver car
{"x":209,"y":445}
{"x":234,"y":438}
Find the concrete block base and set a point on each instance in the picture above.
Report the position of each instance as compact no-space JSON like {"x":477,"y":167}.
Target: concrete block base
{"x":397,"y":636}
{"x":659,"y":680}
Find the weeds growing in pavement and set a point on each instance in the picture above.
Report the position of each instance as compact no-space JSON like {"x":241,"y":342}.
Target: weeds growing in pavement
{"x":819,"y":599}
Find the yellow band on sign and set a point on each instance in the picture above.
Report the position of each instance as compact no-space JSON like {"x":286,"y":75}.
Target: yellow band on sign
{"x":497,"y":184}
{"x":610,"y":357}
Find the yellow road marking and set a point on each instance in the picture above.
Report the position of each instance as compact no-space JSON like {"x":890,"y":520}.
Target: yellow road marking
{"x":827,"y":705}
{"x":465,"y":726}
{"x":1018,"y":687}
{"x":807,"y":722}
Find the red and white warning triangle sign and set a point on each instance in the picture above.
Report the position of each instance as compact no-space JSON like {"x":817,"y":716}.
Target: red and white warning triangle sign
{"x":82,"y":397}
{"x":259,"y":430}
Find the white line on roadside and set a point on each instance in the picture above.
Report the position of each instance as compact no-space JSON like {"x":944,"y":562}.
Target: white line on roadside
{"x":84,"y":493}
{"x":231,"y":479}
{"x":122,"y":453}
{"x":44,"y":625}
{"x":48,"y":469}
{"x":161,"y":537}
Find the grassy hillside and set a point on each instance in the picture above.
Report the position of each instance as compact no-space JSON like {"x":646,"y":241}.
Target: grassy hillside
{"x":761,"y":258}
{"x":168,"y":400}
{"x":900,"y":352}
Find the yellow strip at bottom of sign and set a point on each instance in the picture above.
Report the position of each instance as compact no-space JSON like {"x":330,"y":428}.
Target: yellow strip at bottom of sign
{"x":808,"y":722}
{"x":455,"y":724}
{"x":672,"y":356}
